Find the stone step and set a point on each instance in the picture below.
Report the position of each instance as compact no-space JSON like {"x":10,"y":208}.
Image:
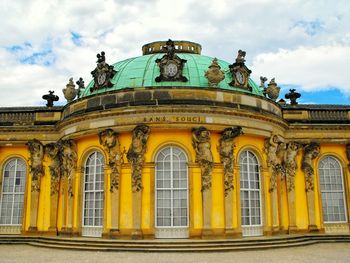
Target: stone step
{"x":173,"y":245}
{"x":170,"y":249}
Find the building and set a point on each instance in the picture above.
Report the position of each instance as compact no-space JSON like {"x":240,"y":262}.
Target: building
{"x":174,"y":144}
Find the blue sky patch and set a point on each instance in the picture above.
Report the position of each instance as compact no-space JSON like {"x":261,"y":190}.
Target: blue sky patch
{"x":310,"y":27}
{"x":26,"y":54}
{"x":76,"y":38}
{"x":333,"y":95}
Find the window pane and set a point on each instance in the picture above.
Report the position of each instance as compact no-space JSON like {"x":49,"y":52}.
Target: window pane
{"x":171,"y":187}
{"x":12,"y":194}
{"x":93,"y":190}
{"x":250,"y":189}
{"x":332,"y":190}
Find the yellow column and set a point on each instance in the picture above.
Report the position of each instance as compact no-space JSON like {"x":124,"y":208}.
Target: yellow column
{"x":147,"y":216}
{"x":195,"y":211}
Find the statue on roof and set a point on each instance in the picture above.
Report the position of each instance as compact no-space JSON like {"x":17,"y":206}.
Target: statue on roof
{"x":70,"y":92}
{"x":102,"y":74}
{"x":240,"y":56}
{"x":240,"y":72}
{"x":170,"y":65}
{"x":50,"y":98}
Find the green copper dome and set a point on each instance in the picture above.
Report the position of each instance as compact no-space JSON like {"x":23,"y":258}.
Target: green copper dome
{"x":140,"y":72}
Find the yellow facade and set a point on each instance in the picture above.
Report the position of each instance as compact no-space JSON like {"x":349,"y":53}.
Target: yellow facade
{"x":133,"y":214}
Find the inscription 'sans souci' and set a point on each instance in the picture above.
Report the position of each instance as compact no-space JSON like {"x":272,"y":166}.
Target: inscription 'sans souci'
{"x":173,"y":119}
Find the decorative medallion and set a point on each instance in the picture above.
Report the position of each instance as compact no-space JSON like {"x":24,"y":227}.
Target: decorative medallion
{"x":170,"y":65}
{"x":102,"y":74}
{"x":272,"y":90}
{"x":240,"y":72}
{"x":214,"y":74}
{"x":70,"y":92}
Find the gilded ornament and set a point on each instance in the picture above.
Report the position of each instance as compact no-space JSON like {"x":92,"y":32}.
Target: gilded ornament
{"x":272,"y":90}
{"x":214,"y":75}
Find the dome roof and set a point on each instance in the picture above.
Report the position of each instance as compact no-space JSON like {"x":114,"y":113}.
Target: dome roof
{"x":140,"y":72}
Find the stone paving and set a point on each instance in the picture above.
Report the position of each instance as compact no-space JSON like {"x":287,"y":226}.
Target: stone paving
{"x":337,"y":252}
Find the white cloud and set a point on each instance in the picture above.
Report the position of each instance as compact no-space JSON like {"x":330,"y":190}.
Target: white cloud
{"x":312,"y":68}
{"x":275,"y":34}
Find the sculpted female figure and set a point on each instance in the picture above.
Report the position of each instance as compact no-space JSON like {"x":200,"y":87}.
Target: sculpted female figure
{"x":69,"y":162}
{"x":54,"y":152}
{"x":36,"y":150}
{"x":291,"y":164}
{"x":202,"y":146}
{"x":274,"y":149}
{"x":311,"y":151}
{"x":226,"y":147}
{"x":109,"y":140}
{"x":136,"y":153}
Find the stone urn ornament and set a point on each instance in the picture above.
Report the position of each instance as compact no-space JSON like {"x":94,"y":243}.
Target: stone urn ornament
{"x":214,"y":74}
{"x":272,"y":90}
{"x":70,"y":92}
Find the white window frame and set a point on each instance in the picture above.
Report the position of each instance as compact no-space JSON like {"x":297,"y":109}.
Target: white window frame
{"x":19,"y":163}
{"x":324,"y":159}
{"x":250,"y":229}
{"x":92,"y":229}
{"x":172,"y":189}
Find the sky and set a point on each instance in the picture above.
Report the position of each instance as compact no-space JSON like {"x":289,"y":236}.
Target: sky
{"x":303,"y":44}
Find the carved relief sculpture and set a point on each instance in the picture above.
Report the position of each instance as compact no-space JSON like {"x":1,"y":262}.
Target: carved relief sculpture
{"x":53,"y":150}
{"x":69,"y":162}
{"x":204,"y":157}
{"x":36,"y":150}
{"x":226,"y":147}
{"x":275,"y":149}
{"x":291,"y":164}
{"x":102,"y":74}
{"x":136,"y":154}
{"x":311,"y":151}
{"x":170,"y":65}
{"x":214,"y":74}
{"x":109,"y":140}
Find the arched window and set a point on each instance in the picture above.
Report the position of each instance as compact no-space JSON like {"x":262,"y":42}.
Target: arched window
{"x":93,"y":195}
{"x":250,"y":194}
{"x":171,"y":190}
{"x":12,"y":194}
{"x":332,"y":190}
